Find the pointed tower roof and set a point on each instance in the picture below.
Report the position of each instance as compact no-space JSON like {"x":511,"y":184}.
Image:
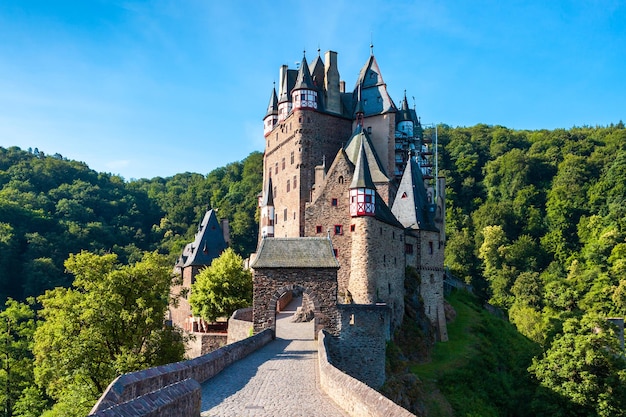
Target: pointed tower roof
{"x":317,"y":72}
{"x":304,"y":80}
{"x":411,"y":206}
{"x":404,"y":114}
{"x":373,"y":90}
{"x":353,"y":148}
{"x":272,"y":107}
{"x":268,"y":198}
{"x":362,"y":177}
{"x":209,"y":242}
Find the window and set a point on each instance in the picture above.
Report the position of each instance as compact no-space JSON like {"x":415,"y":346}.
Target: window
{"x":295,"y":182}
{"x":333,"y":202}
{"x":381,"y":231}
{"x":294,"y":215}
{"x":274,"y":192}
{"x":336,"y":252}
{"x":341,"y":179}
{"x":292,"y":157}
{"x":403,"y":195}
{"x":338,"y":229}
{"x":369,"y":130}
{"x":283,"y":163}
{"x":285,"y":214}
{"x":352,"y":227}
{"x":276,"y":168}
{"x":408,"y":249}
{"x":288,"y":185}
{"x":430,"y":247}
{"x":318,"y":229}
{"x":393,"y":235}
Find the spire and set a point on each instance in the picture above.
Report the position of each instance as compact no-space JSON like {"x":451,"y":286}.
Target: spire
{"x":362,"y":189}
{"x":272,"y":107}
{"x":362,"y":176}
{"x":304,"y":80}
{"x":412,"y":206}
{"x":268,"y":198}
{"x":404,"y":114}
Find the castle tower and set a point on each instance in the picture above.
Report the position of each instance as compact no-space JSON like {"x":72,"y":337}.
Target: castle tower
{"x":267,"y":211}
{"x":379,"y":116}
{"x":362,"y":285}
{"x":305,"y":134}
{"x":304,"y":94}
{"x":415,"y":209}
{"x":271,"y":117}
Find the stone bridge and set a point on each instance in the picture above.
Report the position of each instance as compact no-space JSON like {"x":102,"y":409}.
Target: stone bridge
{"x":287,"y":375}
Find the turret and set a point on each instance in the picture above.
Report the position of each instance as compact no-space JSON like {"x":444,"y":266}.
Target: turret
{"x":304,"y":93}
{"x":271,"y":117}
{"x":404,"y":121}
{"x":362,"y":188}
{"x":267,"y":211}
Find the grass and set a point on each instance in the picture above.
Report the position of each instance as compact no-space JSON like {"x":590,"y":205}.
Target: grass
{"x":459,"y":349}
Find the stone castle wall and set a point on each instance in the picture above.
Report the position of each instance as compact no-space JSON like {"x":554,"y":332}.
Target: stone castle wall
{"x":378,"y":265}
{"x":293,"y":149}
{"x":359,"y":350}
{"x":329,"y":209}
{"x":239,"y":325}
{"x":203,"y":343}
{"x":430,"y":267}
{"x":355,"y":397}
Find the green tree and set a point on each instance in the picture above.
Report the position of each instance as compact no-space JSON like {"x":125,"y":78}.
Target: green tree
{"x":110,"y":322}
{"x":586,"y":366}
{"x":221,"y":288}
{"x":17,"y":329}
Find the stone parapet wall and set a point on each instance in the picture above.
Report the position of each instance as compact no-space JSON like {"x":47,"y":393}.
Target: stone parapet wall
{"x":130,"y":387}
{"x":239,"y":325}
{"x":356,"y":398}
{"x":204,"y":343}
{"x":359,"y":350}
{"x":181,"y":399}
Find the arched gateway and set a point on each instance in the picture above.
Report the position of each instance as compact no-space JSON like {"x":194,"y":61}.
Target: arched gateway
{"x":287,"y":264}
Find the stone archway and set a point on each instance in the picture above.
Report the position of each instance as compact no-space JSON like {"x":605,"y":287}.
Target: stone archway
{"x":309,"y":303}
{"x":283,"y":264}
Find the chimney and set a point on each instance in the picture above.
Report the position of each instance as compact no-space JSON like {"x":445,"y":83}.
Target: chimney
{"x":331,"y":80}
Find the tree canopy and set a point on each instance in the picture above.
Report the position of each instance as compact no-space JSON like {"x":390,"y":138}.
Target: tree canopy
{"x":221,"y":288}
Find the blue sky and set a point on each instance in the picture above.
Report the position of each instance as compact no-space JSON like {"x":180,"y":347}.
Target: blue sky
{"x":154,"y":88}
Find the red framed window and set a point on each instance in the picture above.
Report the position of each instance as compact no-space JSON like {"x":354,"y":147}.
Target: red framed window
{"x":338,"y":229}
{"x":318,"y":229}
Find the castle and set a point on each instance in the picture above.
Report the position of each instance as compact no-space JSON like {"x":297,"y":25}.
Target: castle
{"x":353,"y":167}
{"x":350,"y":199}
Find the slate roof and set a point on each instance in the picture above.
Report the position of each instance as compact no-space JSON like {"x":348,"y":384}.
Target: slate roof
{"x":373,"y":90}
{"x":272,"y":107}
{"x":411,"y":206}
{"x":362,"y":177}
{"x":268,"y":197}
{"x":304,"y":80}
{"x":353,"y":148}
{"x":209,"y":242}
{"x":295,"y":252}
{"x":404,"y":114}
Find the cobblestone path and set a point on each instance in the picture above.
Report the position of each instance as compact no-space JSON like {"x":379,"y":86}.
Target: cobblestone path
{"x":280,"y":379}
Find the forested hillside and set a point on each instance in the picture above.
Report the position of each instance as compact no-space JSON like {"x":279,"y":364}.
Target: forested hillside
{"x":536,"y":222}
{"x":51,"y":207}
